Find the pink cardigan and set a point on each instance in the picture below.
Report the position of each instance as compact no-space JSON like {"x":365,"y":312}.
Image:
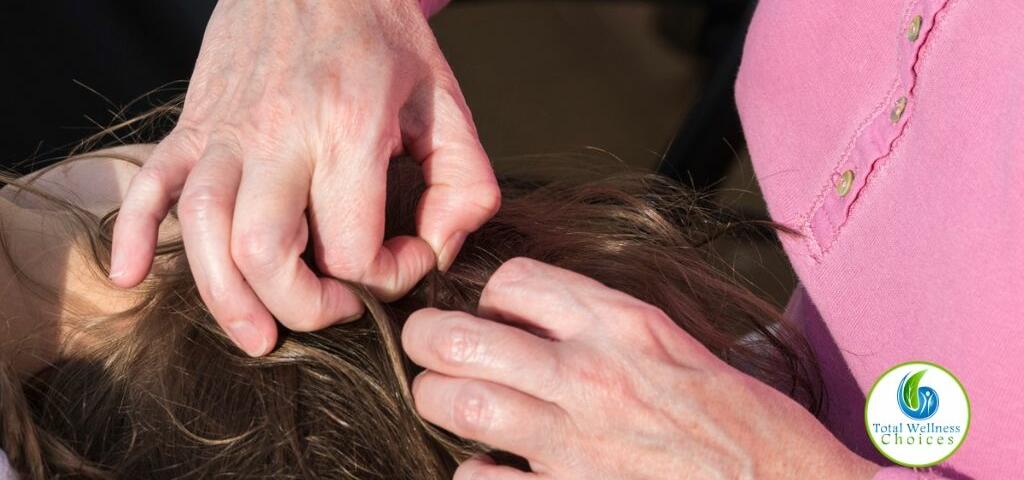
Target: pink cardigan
{"x":923,"y":257}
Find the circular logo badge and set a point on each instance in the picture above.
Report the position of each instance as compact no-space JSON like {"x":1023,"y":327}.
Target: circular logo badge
{"x":917,"y":414}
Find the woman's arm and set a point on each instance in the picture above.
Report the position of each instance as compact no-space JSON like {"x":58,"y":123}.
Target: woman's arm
{"x":430,"y":7}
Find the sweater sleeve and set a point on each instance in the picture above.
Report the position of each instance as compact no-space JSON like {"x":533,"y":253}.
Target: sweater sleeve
{"x":430,"y":7}
{"x":6,"y":473}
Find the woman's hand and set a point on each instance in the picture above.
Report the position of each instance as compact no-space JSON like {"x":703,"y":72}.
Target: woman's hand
{"x":613,"y":389}
{"x":293,"y":111}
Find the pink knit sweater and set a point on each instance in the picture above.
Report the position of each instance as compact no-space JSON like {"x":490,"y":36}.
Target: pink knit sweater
{"x":923,"y":257}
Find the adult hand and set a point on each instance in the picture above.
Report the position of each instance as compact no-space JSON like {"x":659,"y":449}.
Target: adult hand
{"x":294,"y":110}
{"x":613,"y":389}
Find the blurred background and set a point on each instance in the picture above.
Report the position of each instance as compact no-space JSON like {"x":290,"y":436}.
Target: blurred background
{"x":647,"y":83}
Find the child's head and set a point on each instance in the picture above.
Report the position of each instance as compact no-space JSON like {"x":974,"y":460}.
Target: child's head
{"x":166,"y":395}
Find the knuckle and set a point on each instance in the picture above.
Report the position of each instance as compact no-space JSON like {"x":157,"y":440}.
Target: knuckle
{"x":150,"y":178}
{"x":217,"y":295}
{"x":347,"y":264}
{"x":184,"y":143}
{"x":185,"y":138}
{"x":513,"y":271}
{"x":257,"y":251}
{"x":473,"y":410}
{"x":198,"y":202}
{"x":651,"y":311}
{"x":487,"y":197}
{"x":225,"y":140}
{"x":650,"y":314}
{"x":457,"y":345}
{"x":642,"y":320}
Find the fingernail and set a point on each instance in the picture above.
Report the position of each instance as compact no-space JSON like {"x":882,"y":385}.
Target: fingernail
{"x":450,"y":250}
{"x":248,"y":338}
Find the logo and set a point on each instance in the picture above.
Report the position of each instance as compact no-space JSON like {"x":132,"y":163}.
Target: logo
{"x":917,"y":402}
{"x":917,"y":430}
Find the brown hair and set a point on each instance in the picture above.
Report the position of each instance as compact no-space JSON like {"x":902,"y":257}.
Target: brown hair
{"x":170,"y":397}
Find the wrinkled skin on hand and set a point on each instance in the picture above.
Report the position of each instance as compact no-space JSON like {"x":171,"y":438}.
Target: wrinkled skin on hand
{"x":292,"y":114}
{"x":614,"y":389}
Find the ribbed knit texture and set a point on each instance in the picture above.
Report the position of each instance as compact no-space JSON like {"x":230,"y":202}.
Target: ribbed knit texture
{"x":923,"y":259}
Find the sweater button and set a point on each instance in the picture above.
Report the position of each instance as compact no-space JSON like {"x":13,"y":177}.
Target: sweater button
{"x":844,"y":183}
{"x":914,"y":30}
{"x":898,"y":109}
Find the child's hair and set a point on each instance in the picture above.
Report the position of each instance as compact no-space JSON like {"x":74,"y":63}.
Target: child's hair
{"x":170,"y":397}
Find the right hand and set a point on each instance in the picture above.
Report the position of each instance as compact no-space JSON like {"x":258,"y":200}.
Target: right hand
{"x":587,"y":382}
{"x":295,"y":109}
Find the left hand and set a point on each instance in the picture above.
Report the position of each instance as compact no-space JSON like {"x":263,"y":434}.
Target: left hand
{"x":613,"y":389}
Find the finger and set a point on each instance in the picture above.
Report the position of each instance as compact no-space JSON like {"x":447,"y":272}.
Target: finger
{"x":461,"y":345}
{"x":562,"y":305}
{"x":348,"y":202}
{"x":555,"y":302}
{"x":269,"y":237}
{"x":483,"y":467}
{"x":146,"y":202}
{"x":205,"y":212}
{"x":496,"y":415}
{"x":461,"y":191}
{"x":400,"y":263}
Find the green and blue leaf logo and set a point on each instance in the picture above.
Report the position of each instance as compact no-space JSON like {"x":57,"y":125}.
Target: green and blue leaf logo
{"x":913,"y":431}
{"x":917,"y":401}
